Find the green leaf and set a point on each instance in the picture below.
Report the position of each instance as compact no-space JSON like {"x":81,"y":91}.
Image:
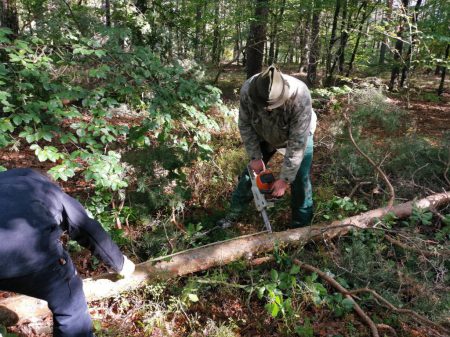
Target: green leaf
{"x":260,"y":292}
{"x":348,"y":304}
{"x":295,"y":269}
{"x":273,"y":309}
{"x":274,"y":275}
{"x":193,"y":297}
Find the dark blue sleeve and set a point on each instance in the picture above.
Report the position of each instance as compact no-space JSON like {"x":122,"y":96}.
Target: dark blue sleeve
{"x":89,"y":233}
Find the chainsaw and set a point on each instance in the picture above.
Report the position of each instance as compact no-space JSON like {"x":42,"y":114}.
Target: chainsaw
{"x":262,"y":184}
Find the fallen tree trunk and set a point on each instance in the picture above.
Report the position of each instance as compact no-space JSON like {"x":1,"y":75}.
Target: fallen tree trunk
{"x":19,"y":308}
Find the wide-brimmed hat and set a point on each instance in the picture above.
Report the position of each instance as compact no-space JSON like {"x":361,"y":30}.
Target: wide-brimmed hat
{"x":269,"y":88}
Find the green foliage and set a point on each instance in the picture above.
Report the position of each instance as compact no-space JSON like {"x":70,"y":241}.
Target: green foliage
{"x":420,"y":216}
{"x":339,"y":208}
{"x":401,"y":276}
{"x":286,"y":289}
{"x":305,"y":330}
{"x":68,"y":105}
{"x":331,"y":92}
{"x":372,"y":107}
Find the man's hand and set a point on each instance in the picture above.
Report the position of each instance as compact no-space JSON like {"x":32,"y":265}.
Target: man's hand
{"x":128,"y":268}
{"x":279,"y":188}
{"x":257,"y":165}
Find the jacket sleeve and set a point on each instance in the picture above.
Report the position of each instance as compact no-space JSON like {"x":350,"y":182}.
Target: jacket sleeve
{"x":248,"y":134}
{"x":299,"y":130}
{"x":89,"y":233}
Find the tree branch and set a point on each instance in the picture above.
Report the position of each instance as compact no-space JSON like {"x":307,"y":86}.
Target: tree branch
{"x":374,"y":165}
{"x":342,"y":290}
{"x":415,"y":315}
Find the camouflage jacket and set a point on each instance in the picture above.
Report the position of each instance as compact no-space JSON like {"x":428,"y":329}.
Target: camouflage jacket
{"x":287,"y":126}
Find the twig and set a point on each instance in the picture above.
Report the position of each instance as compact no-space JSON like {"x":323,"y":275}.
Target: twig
{"x":375,"y":166}
{"x":437,"y":213}
{"x":358,"y":185}
{"x":341,"y":289}
{"x":409,"y":312}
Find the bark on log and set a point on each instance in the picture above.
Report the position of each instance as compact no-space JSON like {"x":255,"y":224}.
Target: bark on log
{"x":21,"y":308}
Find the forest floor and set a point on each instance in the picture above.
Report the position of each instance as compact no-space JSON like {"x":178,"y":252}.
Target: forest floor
{"x":228,"y":309}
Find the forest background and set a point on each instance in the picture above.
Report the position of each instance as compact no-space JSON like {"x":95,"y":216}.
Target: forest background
{"x":132,"y":108}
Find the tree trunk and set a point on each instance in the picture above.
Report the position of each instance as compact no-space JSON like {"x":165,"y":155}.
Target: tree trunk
{"x":198,"y":30}
{"x":108,"y":13}
{"x":443,"y":71}
{"x":256,"y":39}
{"x":409,"y":55}
{"x":216,"y":34}
{"x":237,"y":43}
{"x":329,"y":72}
{"x":277,"y":41}
{"x":8,"y":16}
{"x":19,"y":308}
{"x":384,"y":44}
{"x":345,"y":25}
{"x":398,"y":47}
{"x":305,"y":36}
{"x":365,"y":15}
{"x":314,"y":47}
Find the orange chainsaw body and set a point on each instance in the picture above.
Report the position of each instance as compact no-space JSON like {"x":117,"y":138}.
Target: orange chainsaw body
{"x":265,"y":181}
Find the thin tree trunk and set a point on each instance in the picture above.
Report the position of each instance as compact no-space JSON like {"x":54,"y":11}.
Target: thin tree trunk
{"x":198,"y":29}
{"x":329,"y":72}
{"x":365,"y":15}
{"x":202,"y":44}
{"x":444,"y":70}
{"x":19,"y":308}
{"x":409,"y":55}
{"x":237,"y":44}
{"x":277,"y":41}
{"x":398,"y":47}
{"x":384,"y":44}
{"x":108,"y":13}
{"x":303,"y":45}
{"x":345,"y":25}
{"x":274,"y":39}
{"x":437,"y":71}
{"x":257,"y":38}
{"x":314,"y":47}
{"x":216,"y":34}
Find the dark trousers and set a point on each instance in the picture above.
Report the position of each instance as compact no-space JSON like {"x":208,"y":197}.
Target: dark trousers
{"x":301,"y":190}
{"x":62,"y":288}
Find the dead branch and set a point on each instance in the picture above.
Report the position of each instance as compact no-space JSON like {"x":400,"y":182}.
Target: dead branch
{"x":415,"y":249}
{"x":387,"y":327}
{"x":358,"y":185}
{"x":415,"y":315}
{"x":374,"y":165}
{"x":217,"y":254}
{"x":342,"y":290}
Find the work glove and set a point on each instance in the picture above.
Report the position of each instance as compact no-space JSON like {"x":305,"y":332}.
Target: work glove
{"x":128,"y":267}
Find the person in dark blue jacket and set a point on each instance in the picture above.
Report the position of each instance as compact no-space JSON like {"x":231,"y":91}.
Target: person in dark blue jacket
{"x":34,"y":212}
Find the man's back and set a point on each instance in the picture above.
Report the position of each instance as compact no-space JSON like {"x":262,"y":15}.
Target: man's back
{"x":29,"y":223}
